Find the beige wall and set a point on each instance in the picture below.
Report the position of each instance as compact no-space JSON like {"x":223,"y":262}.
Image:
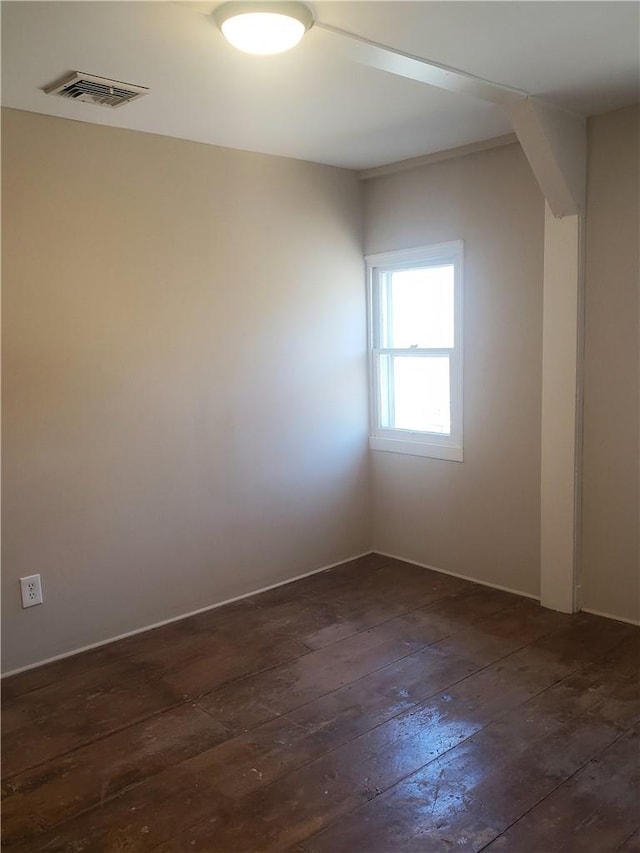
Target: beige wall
{"x":479,"y":518}
{"x":184,"y":377}
{"x":611,"y":560}
{"x":184,"y":383}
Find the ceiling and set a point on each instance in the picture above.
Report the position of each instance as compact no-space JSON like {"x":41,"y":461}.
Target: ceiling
{"x":312,"y":103}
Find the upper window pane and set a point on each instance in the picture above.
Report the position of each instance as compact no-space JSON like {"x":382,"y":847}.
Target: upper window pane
{"x":417,"y":307}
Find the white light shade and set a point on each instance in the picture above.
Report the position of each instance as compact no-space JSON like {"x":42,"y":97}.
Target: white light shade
{"x":263,"y":28}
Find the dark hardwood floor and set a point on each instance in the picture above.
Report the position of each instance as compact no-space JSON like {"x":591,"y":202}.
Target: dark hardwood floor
{"x":374,"y":708}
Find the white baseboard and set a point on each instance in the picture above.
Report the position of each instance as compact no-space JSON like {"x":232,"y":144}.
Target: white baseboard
{"x":635,"y":622}
{"x":458,"y":575}
{"x":180,"y":617}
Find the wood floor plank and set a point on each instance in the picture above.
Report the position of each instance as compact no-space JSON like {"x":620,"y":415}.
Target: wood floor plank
{"x":378,"y":706}
{"x":89,"y":776}
{"x":258,"y":757}
{"x":473,"y":604}
{"x":331,"y":612}
{"x":416,"y":589}
{"x":393,"y":689}
{"x":599,"y":692}
{"x":350,"y":618}
{"x":42,"y":676}
{"x":462,"y":625}
{"x":465,"y":799}
{"x":624,"y":657}
{"x":390,"y":690}
{"x":440,"y":600}
{"x":197,"y":667}
{"x":332,"y":584}
{"x":44,"y":723}
{"x":365,"y":766}
{"x":308,"y":617}
{"x":290,"y":685}
{"x":588,"y":638}
{"x":594,"y":812}
{"x":630,"y":844}
{"x":138,"y":820}
{"x":254,"y":700}
{"x":526,"y":622}
{"x":285,"y":617}
{"x":165,"y":637}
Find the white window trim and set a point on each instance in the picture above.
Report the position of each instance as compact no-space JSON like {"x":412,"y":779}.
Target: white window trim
{"x":432,"y":445}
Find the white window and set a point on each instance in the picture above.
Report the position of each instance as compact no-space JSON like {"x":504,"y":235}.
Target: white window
{"x":415,"y":340}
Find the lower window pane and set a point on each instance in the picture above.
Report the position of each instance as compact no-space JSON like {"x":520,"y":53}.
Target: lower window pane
{"x":415,"y":393}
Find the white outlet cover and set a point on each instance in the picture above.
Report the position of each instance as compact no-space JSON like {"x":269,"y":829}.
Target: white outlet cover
{"x":31,"y":590}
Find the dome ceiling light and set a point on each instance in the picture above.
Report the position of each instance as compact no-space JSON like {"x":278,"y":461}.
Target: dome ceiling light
{"x":263,"y":28}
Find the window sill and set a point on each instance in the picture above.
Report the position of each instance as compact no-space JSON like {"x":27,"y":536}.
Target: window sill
{"x":415,"y":448}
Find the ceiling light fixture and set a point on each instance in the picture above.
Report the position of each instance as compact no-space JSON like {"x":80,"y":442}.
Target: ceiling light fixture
{"x":263,"y":28}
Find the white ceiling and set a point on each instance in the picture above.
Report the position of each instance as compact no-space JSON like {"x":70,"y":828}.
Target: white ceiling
{"x":313,"y":104}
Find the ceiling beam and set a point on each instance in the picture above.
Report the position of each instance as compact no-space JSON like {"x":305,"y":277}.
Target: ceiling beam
{"x":553,"y":139}
{"x":555,"y":144}
{"x":396,"y":62}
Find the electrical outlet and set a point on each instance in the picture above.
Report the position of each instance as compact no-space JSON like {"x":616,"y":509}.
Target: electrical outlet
{"x":31,"y":590}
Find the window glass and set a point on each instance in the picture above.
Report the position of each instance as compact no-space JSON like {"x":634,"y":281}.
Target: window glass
{"x":417,"y":307}
{"x":415,"y":393}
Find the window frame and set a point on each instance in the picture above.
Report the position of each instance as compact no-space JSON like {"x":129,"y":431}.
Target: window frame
{"x":416,"y":443}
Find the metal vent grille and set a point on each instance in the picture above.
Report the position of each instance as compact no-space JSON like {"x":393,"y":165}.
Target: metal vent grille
{"x":95,"y":90}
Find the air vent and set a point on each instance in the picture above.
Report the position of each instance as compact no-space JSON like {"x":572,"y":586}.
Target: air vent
{"x":95,"y":90}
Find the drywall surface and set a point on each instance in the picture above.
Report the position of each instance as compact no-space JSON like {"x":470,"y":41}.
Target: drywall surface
{"x":185,"y":415}
{"x":611,"y":513}
{"x":481,"y":517}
